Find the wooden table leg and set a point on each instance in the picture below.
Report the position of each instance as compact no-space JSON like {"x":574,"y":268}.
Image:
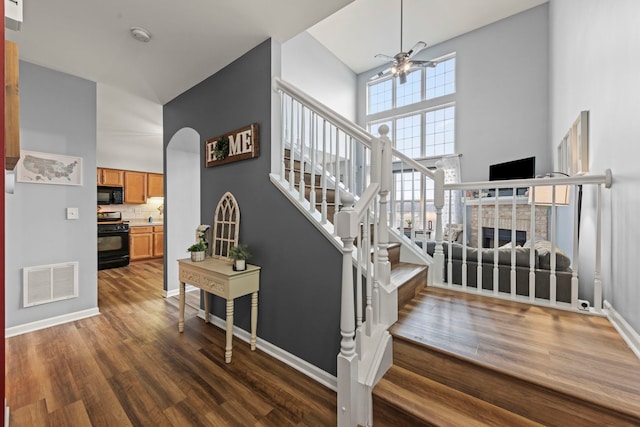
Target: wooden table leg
{"x":254,"y":319}
{"x":227,"y":353}
{"x":205,"y":295}
{"x":181,"y":307}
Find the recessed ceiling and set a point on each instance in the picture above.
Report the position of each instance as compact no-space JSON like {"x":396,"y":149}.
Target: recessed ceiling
{"x":193,"y":39}
{"x":364,"y":28}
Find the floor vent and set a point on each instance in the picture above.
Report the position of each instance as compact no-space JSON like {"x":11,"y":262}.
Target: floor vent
{"x":47,"y":283}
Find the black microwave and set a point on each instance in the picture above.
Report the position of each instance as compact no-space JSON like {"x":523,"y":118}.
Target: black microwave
{"x":110,"y":195}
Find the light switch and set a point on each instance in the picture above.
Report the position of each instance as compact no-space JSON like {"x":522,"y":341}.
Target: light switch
{"x":72,"y":213}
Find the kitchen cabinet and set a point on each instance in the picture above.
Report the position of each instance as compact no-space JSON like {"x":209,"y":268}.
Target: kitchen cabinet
{"x":110,"y":177}
{"x":135,"y":187}
{"x":155,"y":185}
{"x":12,"y":106}
{"x":158,"y":240}
{"x":140,"y":243}
{"x":146,"y":242}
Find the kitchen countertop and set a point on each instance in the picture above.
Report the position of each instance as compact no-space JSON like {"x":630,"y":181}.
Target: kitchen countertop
{"x":144,"y":222}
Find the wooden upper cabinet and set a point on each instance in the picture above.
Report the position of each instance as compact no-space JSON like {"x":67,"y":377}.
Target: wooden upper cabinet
{"x":110,"y":177}
{"x":155,"y":185}
{"x":12,"y":106}
{"x":135,"y":187}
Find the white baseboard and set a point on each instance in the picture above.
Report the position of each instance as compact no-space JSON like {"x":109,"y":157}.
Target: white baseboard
{"x":52,"y":321}
{"x":628,"y":334}
{"x":295,"y":362}
{"x":176,"y":292}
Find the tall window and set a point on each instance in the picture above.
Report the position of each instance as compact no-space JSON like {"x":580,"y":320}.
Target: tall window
{"x":420,"y":112}
{"x":421,"y":117}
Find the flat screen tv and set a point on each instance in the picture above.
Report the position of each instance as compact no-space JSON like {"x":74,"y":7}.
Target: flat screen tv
{"x":515,"y":169}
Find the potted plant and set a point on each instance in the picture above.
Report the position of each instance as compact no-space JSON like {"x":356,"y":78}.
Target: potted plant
{"x":239,"y":254}
{"x":197,"y":251}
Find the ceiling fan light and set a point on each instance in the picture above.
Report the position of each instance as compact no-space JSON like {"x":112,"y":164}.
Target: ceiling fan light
{"x":406,"y":66}
{"x":394,"y":70}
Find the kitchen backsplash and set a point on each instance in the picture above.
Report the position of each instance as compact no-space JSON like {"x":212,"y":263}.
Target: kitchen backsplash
{"x":131,"y":212}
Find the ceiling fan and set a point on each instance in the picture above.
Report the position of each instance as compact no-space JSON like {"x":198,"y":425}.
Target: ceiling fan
{"x":402,"y":63}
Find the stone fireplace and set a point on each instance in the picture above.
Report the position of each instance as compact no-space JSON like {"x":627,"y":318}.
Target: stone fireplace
{"x":522,"y":221}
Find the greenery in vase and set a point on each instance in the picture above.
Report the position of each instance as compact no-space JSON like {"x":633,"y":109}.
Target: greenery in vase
{"x":197,"y":247}
{"x":221,"y":149}
{"x":239,"y":252}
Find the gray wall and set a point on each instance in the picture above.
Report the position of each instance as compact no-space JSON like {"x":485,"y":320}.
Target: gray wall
{"x":57,"y":115}
{"x":594,"y":66}
{"x":299,"y":291}
{"x":502,"y":92}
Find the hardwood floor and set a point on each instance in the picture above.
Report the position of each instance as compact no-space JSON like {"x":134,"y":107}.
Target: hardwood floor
{"x":553,"y":367}
{"x":129,"y":366}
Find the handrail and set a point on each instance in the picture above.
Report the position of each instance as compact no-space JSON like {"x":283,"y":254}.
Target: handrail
{"x":310,"y":102}
{"x":605,"y":179}
{"x":366,"y":199}
{"x":345,"y":124}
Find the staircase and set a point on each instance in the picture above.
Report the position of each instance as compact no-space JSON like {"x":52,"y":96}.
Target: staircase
{"x":467,"y":360}
{"x":408,"y":278}
{"x":452,"y":358}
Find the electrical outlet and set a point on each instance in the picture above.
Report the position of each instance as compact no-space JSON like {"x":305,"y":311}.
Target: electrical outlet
{"x":72,"y":213}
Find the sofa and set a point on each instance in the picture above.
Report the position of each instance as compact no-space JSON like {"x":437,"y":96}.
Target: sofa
{"x":542,"y":267}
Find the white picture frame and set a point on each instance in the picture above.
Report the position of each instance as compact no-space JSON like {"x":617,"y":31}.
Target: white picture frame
{"x":564,"y":155}
{"x":48,"y":168}
{"x":580,"y":152}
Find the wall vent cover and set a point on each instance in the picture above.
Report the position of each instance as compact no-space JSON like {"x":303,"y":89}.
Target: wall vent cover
{"x":48,"y":283}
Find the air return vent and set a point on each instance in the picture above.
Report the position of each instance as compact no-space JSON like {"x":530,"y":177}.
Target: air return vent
{"x":47,"y":283}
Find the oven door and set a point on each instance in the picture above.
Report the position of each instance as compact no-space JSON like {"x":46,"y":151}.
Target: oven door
{"x":113,"y":247}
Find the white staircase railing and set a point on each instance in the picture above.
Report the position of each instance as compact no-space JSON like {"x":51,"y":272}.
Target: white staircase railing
{"x":328,"y":161}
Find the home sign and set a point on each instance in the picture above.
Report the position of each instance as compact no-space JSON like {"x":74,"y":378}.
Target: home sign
{"x":237,"y":145}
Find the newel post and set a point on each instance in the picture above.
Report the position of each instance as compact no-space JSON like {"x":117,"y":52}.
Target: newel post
{"x":438,"y":256}
{"x":346,"y":228}
{"x":387,"y":301}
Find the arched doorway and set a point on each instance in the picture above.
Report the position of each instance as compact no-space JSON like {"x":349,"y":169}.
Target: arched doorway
{"x":182,"y":201}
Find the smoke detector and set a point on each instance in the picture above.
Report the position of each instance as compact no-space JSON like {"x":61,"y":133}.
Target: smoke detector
{"x":140,"y":34}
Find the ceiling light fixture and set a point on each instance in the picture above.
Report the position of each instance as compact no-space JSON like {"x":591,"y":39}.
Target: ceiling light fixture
{"x":140,"y":34}
{"x":402,"y":63}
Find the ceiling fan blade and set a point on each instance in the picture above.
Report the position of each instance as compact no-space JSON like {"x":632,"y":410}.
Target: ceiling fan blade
{"x":381,"y":73}
{"x":385,"y":57}
{"x":425,"y":63}
{"x":417,"y":48}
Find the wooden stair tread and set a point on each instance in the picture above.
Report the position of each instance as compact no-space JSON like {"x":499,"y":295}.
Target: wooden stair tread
{"x":435,"y":404}
{"x":403,"y":272}
{"x":575,"y":357}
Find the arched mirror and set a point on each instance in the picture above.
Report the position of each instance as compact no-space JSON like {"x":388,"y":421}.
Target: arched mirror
{"x":226,"y":226}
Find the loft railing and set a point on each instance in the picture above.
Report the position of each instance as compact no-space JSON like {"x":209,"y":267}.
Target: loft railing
{"x":519,"y":240}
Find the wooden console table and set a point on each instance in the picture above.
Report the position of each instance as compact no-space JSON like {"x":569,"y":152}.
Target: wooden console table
{"x":216,"y":276}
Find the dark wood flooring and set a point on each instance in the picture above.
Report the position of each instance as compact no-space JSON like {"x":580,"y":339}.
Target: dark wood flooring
{"x":129,"y":366}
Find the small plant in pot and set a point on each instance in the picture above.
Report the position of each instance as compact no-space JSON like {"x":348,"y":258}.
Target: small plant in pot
{"x":239,"y":254}
{"x":197,"y":251}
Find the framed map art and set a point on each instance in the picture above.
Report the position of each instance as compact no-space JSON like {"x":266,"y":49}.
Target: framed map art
{"x":48,"y":168}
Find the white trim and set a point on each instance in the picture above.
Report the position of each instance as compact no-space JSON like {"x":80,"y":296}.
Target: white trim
{"x":287,"y":358}
{"x":51,"y":321}
{"x":176,"y":292}
{"x":628,"y":334}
